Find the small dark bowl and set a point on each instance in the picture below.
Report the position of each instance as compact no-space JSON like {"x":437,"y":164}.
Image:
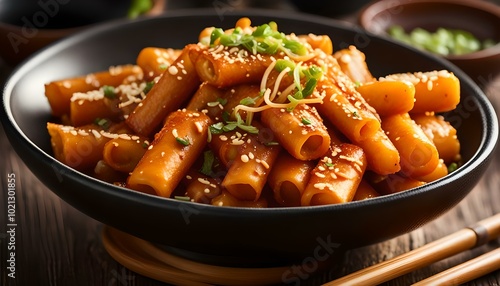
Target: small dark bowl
{"x":238,"y":236}
{"x":481,"y":18}
{"x":329,"y":8}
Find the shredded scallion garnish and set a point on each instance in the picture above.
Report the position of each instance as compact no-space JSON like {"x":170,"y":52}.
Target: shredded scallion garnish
{"x":103,"y":123}
{"x":109,"y":92}
{"x":208,"y":162}
{"x":182,"y":198}
{"x":220,"y":127}
{"x":265,"y":39}
{"x":183,"y":141}
{"x":306,"y":121}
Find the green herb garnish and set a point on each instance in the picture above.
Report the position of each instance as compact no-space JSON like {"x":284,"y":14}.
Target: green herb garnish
{"x":265,"y":39}
{"x":183,"y":141}
{"x":249,"y":100}
{"x":208,"y":162}
{"x":452,"y":167}
{"x":139,"y":7}
{"x":443,"y":41}
{"x":109,"y":92}
{"x":221,"y":101}
{"x":216,"y":128}
{"x":148,"y":87}
{"x":103,"y":123}
{"x":226,"y":116}
{"x":220,"y":127}
{"x":306,"y":121}
{"x":183,"y":198}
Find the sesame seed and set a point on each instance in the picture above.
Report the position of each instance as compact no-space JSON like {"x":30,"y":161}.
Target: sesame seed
{"x":265,"y":164}
{"x":320,"y":186}
{"x":199,"y":126}
{"x":96,"y":134}
{"x":321,"y":175}
{"x":124,"y":136}
{"x":204,"y":181}
{"x":66,"y":84}
{"x":237,"y":142}
{"x":429,"y":85}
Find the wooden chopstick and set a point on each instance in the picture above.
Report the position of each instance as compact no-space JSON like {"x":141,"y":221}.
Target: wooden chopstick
{"x":464,"y":239}
{"x":466,"y":271}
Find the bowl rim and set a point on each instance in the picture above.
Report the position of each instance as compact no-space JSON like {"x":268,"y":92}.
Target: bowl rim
{"x":368,"y":12}
{"x":12,"y":129}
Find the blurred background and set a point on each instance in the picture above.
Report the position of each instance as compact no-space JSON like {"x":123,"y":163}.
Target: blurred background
{"x":28,"y":25}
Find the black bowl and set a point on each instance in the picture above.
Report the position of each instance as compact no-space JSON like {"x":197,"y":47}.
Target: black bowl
{"x":237,"y":235}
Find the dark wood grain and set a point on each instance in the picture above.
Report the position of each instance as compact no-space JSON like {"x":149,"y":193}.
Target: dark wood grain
{"x":58,"y":245}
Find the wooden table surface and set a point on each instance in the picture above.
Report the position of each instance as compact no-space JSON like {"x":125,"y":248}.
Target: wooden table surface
{"x":58,"y":245}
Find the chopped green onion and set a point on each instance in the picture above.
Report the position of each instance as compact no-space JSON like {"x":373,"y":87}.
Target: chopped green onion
{"x":216,"y":128}
{"x":139,"y":7}
{"x":229,"y":127}
{"x":329,"y":165}
{"x":148,"y":87}
{"x":296,"y":77}
{"x":306,"y":121}
{"x":293,"y":102}
{"x":283,"y":64}
{"x":220,"y":127}
{"x":264,"y":39}
{"x":163,"y":66}
{"x":452,"y":167}
{"x":249,"y":128}
{"x":313,"y":72}
{"x":247,"y":101}
{"x":213,"y":103}
{"x":216,"y":34}
{"x":271,"y":143}
{"x":309,"y":87}
{"x":208,"y":162}
{"x":295,"y":47}
{"x":443,"y":41}
{"x":183,"y":141}
{"x":109,"y":92}
{"x":226,"y":116}
{"x":221,"y":101}
{"x":103,"y":123}
{"x":182,"y":198}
